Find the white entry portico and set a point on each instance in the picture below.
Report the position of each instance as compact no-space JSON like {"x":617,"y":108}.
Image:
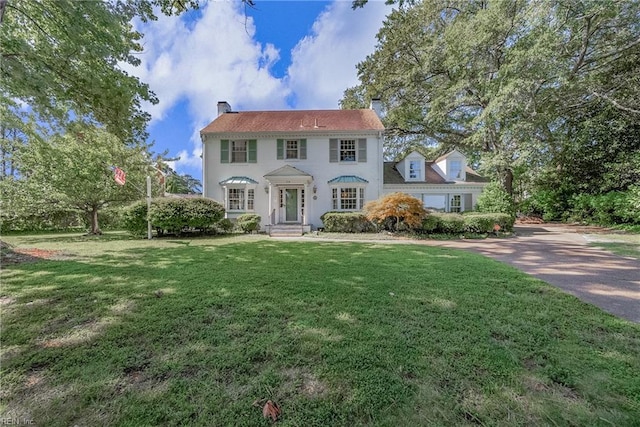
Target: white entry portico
{"x":289,"y":190}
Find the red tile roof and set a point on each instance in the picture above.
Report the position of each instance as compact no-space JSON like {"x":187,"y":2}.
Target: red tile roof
{"x":295,"y":121}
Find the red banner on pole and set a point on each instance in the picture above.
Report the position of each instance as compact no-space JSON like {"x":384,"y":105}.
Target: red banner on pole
{"x":119,"y":175}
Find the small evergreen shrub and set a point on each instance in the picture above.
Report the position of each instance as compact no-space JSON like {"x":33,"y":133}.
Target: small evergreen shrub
{"x":486,"y":222}
{"x":201,"y":213}
{"x":224,"y":226}
{"x":248,"y":222}
{"x":346,"y":222}
{"x":480,"y":224}
{"x":134,"y":218}
{"x":451,"y":223}
{"x":172,"y":215}
{"x":431,"y":224}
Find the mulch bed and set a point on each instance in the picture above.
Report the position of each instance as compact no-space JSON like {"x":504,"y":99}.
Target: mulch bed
{"x":12,"y":255}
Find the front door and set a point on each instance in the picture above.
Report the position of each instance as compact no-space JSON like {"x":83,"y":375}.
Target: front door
{"x":291,"y":205}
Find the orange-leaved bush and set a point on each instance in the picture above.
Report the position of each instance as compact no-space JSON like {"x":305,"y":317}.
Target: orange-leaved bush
{"x":396,"y":211}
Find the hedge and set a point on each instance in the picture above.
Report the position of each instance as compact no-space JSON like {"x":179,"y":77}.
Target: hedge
{"x":169,"y":215}
{"x":478,"y":223}
{"x":346,"y":222}
{"x":248,"y":222}
{"x":134,"y":218}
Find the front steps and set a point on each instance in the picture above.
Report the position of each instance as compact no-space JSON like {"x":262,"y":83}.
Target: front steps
{"x":286,"y":230}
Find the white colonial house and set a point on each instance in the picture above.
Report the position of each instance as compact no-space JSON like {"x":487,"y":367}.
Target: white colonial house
{"x":290,"y":167}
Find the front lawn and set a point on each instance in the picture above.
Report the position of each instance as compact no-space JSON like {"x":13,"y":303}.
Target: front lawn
{"x":134,"y":333}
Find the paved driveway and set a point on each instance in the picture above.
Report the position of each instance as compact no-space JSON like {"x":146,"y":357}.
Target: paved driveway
{"x":560,"y":256}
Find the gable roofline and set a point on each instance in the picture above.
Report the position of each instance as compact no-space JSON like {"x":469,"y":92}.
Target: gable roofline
{"x":444,"y":156}
{"x":287,"y":170}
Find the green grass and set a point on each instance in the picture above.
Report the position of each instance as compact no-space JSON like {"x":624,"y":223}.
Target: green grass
{"x":171,"y":332}
{"x":620,"y":248}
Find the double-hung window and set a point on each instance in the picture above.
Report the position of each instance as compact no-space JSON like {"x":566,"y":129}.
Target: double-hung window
{"x":238,"y":151}
{"x":348,"y":150}
{"x":347,"y":198}
{"x":455,"y":169}
{"x":292,"y":149}
{"x":414,"y":169}
{"x":239,"y":193}
{"x":240,"y":199}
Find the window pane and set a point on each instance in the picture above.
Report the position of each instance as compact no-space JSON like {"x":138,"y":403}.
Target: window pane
{"x":348,"y":198}
{"x":236,"y":199}
{"x":414,"y":169}
{"x":334,"y":198}
{"x":239,"y":151}
{"x":455,"y":169}
{"x":292,"y":149}
{"x":361,"y":201}
{"x":250,"y":197}
{"x":347,"y":150}
{"x":456,"y":203}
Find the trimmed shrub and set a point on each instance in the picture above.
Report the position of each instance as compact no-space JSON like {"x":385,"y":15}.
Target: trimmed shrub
{"x":431,"y":224}
{"x":248,"y":222}
{"x":451,"y":223}
{"x":481,"y":223}
{"x":224,"y":226}
{"x":485,"y":222}
{"x":346,"y":222}
{"x":169,"y":215}
{"x":396,"y":212}
{"x":134,"y":218}
{"x":176,"y":215}
{"x":201,"y":213}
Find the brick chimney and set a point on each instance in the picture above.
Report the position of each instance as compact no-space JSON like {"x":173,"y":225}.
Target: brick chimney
{"x":223,"y":107}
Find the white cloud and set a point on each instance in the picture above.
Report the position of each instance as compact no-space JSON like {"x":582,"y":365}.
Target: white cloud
{"x":324,"y":63}
{"x":216,"y":57}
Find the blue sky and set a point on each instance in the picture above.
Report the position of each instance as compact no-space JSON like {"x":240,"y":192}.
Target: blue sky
{"x":279,"y":55}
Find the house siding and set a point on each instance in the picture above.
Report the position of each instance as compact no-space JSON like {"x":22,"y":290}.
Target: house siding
{"x":317,"y":164}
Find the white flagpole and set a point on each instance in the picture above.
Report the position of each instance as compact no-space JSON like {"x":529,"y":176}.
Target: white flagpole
{"x":148,"y":206}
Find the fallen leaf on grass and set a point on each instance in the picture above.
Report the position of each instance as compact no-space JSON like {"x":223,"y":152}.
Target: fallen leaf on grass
{"x":271,"y":410}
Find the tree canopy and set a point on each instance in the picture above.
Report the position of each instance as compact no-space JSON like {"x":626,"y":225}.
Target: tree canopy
{"x":61,"y":57}
{"x":74,"y":170}
{"x":502,"y":79}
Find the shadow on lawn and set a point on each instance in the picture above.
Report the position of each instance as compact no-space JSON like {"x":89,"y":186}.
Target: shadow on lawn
{"x":139,"y":324}
{"x":342,"y":334}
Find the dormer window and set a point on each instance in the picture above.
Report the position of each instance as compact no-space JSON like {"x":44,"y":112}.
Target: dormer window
{"x":455,"y":169}
{"x":414,"y":169}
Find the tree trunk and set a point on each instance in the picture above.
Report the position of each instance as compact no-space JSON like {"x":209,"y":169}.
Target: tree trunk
{"x":95,"y":228}
{"x":3,"y":7}
{"x":508,"y":181}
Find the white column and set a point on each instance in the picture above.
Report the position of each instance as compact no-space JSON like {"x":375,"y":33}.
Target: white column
{"x":306,"y":204}
{"x":226,"y":201}
{"x":270,"y":204}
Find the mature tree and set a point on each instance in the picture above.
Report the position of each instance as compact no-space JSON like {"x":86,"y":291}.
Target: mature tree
{"x":182,"y":184}
{"x":58,"y":56}
{"x":501,"y":78}
{"x":74,"y":169}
